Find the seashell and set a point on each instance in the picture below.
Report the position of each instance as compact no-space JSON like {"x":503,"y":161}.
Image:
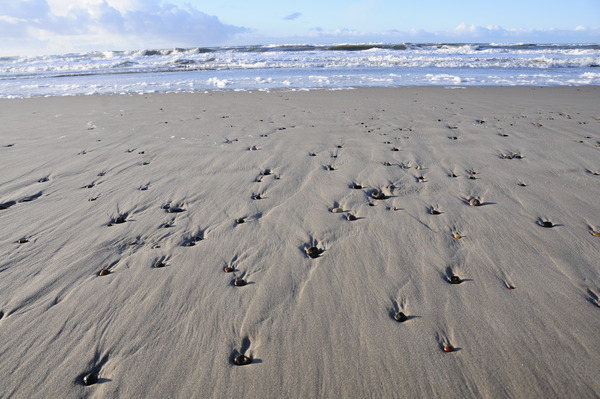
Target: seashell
{"x":228,"y":269}
{"x":474,"y":202}
{"x":448,"y":348}
{"x":242,"y":360}
{"x":400,"y":317}
{"x":596,"y":233}
{"x":90,"y":379}
{"x":351,"y":217}
{"x":546,"y":224}
{"x":159,"y":264}
{"x":240,"y":282}
{"x":457,"y":236}
{"x":104,"y":272}
{"x":240,"y":220}
{"x":22,"y":240}
{"x":378,"y":195}
{"x":510,"y":287}
{"x":356,"y":186}
{"x":175,"y":209}
{"x":455,"y":280}
{"x":313,"y":252}
{"x":435,"y":212}
{"x":337,"y":210}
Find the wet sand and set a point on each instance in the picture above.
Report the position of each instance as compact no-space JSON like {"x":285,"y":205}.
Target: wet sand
{"x":384,"y":243}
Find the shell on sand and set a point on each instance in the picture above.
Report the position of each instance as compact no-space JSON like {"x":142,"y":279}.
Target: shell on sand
{"x":351,"y":217}
{"x":400,"y":317}
{"x":457,"y":236}
{"x":240,"y":282}
{"x":90,"y":379}
{"x":337,"y":210}
{"x":104,"y":272}
{"x":378,"y":195}
{"x":242,"y":360}
{"x":455,"y":280}
{"x":313,"y":252}
{"x":474,"y":202}
{"x":448,"y":348}
{"x":228,"y":269}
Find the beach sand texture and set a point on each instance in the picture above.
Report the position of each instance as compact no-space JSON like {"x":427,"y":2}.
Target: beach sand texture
{"x":179,"y":196}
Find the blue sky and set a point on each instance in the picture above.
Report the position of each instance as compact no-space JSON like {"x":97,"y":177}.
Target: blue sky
{"x":58,"y":26}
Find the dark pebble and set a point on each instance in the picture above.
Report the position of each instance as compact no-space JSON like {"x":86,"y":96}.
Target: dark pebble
{"x":378,"y":195}
{"x":175,"y":209}
{"x":228,"y":269}
{"x":104,"y":272}
{"x":90,"y":379}
{"x":242,"y":360}
{"x":313,"y":252}
{"x":547,"y":224}
{"x":400,"y":317}
{"x":240,"y":220}
{"x":240,"y":282}
{"x":159,"y":264}
{"x":357,"y":186}
{"x":455,"y":280}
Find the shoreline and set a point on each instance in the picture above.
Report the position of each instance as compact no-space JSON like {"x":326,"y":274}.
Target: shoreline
{"x":303,"y":90}
{"x":200,"y":182}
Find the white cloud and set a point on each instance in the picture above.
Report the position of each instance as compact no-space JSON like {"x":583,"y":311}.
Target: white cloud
{"x":49,"y":25}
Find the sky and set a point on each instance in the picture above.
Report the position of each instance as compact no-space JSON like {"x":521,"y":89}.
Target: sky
{"x":32,"y":27}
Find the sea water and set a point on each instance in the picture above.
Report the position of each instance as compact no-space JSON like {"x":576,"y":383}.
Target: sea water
{"x":298,"y":67}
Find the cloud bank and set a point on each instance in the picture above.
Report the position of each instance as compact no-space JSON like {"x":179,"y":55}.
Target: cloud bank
{"x":30,"y":27}
{"x":55,"y":25}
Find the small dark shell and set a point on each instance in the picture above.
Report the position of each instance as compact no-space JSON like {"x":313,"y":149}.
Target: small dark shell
{"x":356,"y":186}
{"x":240,"y":220}
{"x":378,"y":195}
{"x":22,"y":240}
{"x":313,"y":252}
{"x":240,"y":282}
{"x":435,"y":212}
{"x":242,"y":360}
{"x":159,"y":264}
{"x":228,"y":269}
{"x":119,"y":220}
{"x":448,"y":348}
{"x":400,"y":317}
{"x":474,"y":202}
{"x":455,"y":280}
{"x":90,"y":379}
{"x":104,"y":272}
{"x":175,"y":209}
{"x":546,"y":224}
{"x":351,"y":217}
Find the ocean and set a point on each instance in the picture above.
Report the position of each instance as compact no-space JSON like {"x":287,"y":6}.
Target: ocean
{"x":300,"y":67}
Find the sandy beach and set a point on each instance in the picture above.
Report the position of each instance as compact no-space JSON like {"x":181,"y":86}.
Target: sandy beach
{"x":407,"y":242}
